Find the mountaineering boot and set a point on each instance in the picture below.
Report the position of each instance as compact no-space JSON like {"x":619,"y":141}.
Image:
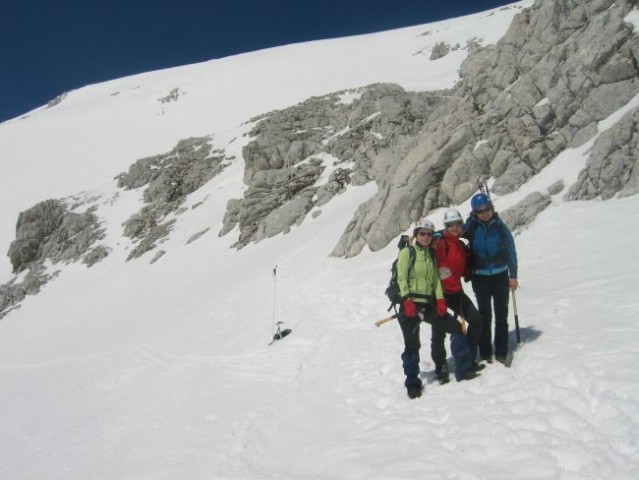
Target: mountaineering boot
{"x":501,"y":358}
{"x":461,"y":353}
{"x":468,"y":376}
{"x":443,"y":375}
{"x":487,"y":359}
{"x":414,"y":392}
{"x":478,"y":367}
{"x":413,"y":384}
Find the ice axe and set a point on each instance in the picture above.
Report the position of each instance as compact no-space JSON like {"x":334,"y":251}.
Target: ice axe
{"x":464,"y":324}
{"x":516,"y":318}
{"x":384,"y":320}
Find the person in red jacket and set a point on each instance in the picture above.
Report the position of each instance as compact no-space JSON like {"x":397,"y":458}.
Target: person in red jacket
{"x":452,"y":264}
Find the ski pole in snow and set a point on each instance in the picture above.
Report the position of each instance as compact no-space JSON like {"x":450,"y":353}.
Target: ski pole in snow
{"x":384,"y":320}
{"x":274,"y":291}
{"x":516,"y":318}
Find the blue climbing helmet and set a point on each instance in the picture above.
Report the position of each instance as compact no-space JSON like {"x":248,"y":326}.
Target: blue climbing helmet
{"x":479,"y":201}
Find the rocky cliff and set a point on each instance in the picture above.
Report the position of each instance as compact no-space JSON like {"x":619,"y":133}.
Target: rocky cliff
{"x":562,"y":67}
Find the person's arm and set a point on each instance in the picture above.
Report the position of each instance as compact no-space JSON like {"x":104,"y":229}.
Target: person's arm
{"x":443,"y":267}
{"x":438,"y":291}
{"x":512,"y":258}
{"x":403,"y":261}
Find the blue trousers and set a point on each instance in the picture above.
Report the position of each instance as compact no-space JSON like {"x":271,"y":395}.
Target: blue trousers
{"x":462,"y":305}
{"x":439,"y":327}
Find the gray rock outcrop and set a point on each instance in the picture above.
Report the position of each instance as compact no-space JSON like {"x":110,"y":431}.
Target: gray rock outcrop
{"x":14,"y":291}
{"x":294,"y":149}
{"x":524,"y":212}
{"x":612,"y":164}
{"x":562,"y":67}
{"x":48,"y":231}
{"x":168,"y":178}
{"x":439,"y":50}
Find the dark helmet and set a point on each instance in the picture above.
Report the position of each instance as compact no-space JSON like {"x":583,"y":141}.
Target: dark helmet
{"x":479,"y":201}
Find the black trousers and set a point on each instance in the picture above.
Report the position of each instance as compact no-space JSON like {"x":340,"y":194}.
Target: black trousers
{"x":440,"y":326}
{"x":493,"y":288}
{"x":462,"y":305}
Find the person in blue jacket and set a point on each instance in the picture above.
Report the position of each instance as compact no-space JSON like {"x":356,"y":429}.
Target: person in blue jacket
{"x":494,"y":273}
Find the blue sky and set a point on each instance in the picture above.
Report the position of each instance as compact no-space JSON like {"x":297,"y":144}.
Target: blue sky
{"x":49,"y":47}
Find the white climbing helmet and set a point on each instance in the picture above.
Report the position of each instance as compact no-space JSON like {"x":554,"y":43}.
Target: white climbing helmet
{"x":451,"y":215}
{"x":424,"y":223}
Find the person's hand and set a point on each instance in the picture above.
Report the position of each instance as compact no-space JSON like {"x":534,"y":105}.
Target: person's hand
{"x":409,"y":308}
{"x":513,"y":283}
{"x":441,"y":307}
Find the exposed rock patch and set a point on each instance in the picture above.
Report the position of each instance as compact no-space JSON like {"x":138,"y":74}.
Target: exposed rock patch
{"x":303,"y":156}
{"x":612,"y":165}
{"x":168,"y":178}
{"x":49,"y":232}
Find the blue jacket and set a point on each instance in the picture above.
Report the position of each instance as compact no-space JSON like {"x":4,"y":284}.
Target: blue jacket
{"x":493,"y":246}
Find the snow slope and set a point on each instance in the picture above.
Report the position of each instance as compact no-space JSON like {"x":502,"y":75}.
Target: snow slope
{"x":129,"y":370}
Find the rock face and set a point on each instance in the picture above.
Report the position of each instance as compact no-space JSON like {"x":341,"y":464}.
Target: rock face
{"x":13,"y":292}
{"x":612,"y":166}
{"x":562,"y":67}
{"x":525,"y":212}
{"x":168,"y":178}
{"x":48,"y":231}
{"x":303,"y":156}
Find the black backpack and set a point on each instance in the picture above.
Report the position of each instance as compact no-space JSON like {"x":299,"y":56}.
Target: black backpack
{"x":392,"y":291}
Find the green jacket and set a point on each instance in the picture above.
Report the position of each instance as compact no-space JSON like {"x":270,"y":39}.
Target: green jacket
{"x":425,"y":279}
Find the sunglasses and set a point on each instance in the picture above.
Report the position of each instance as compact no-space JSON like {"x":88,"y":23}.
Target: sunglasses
{"x":425,"y":234}
{"x":455,"y":225}
{"x":483,"y":210}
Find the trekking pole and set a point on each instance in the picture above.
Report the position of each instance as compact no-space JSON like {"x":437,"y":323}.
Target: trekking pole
{"x":516,"y":318}
{"x":384,"y":320}
{"x":274,"y":290}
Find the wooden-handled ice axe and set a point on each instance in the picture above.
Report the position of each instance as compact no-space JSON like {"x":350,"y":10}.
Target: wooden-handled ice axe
{"x":464,"y":325}
{"x":384,"y":320}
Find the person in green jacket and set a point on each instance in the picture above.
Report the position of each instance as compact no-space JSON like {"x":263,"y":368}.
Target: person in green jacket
{"x":423,"y":300}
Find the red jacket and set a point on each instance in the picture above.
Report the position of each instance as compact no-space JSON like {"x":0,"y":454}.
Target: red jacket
{"x":452,"y":262}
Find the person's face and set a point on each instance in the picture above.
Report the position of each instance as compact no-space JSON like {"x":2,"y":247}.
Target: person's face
{"x":455,"y":228}
{"x":485,"y":213}
{"x":424,"y":237}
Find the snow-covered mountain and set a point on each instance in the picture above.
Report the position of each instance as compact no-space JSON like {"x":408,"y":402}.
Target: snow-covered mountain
{"x":158,"y":366}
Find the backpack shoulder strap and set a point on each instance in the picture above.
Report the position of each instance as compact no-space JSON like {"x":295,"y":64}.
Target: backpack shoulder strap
{"x":470,"y":235}
{"x":412,"y":255}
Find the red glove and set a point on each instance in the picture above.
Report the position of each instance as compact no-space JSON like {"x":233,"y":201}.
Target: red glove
{"x":441,"y":307}
{"x":409,"y":308}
